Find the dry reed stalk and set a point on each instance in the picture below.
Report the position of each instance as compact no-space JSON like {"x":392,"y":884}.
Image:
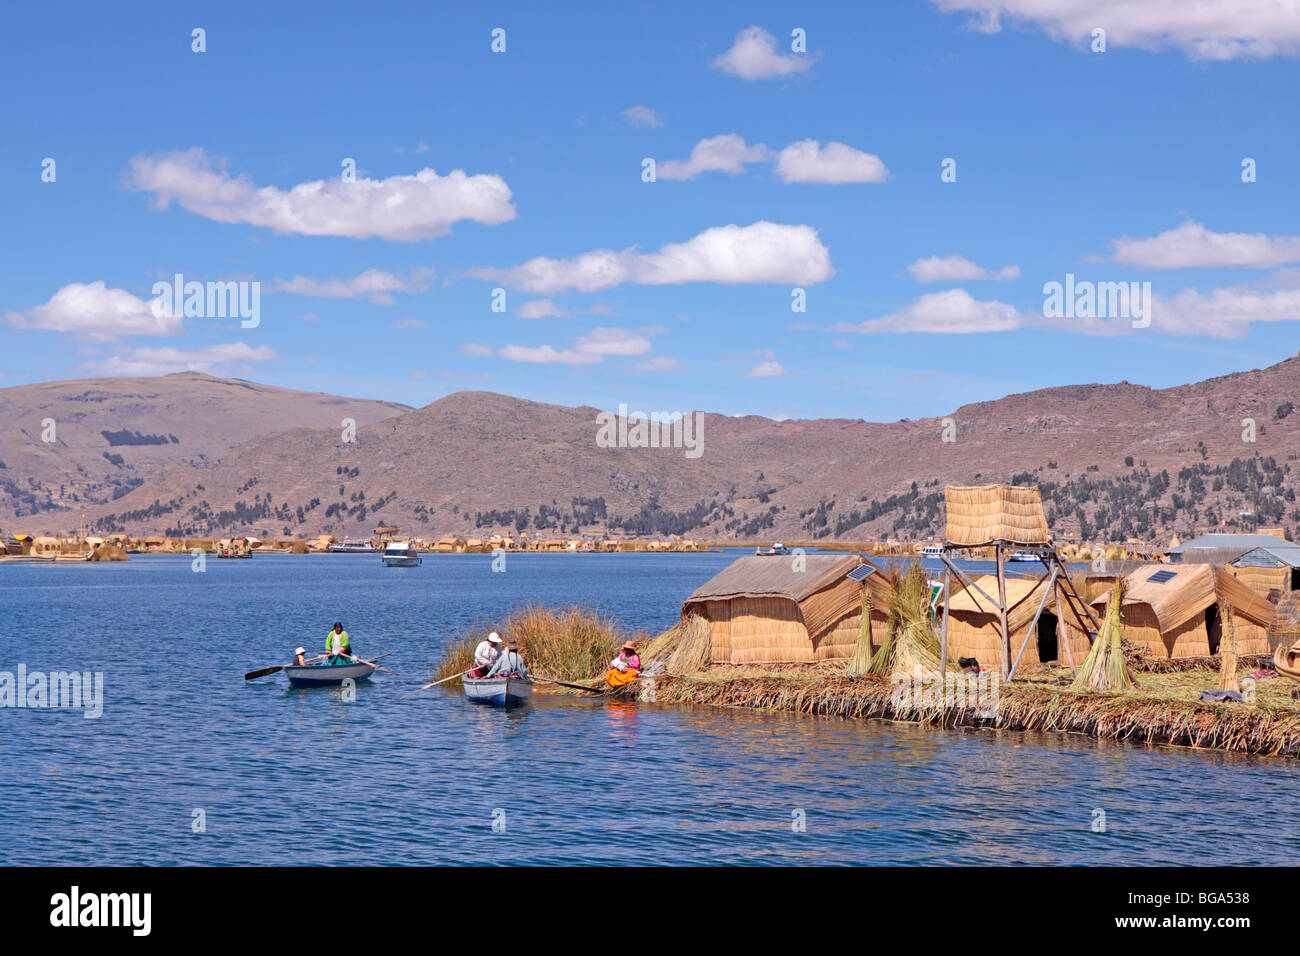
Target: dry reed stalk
{"x":1105,"y":667}
{"x":860,"y":662}
{"x":692,"y":653}
{"x":1228,"y":669}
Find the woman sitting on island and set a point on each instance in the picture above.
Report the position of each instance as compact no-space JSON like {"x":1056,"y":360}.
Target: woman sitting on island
{"x":623,"y":669}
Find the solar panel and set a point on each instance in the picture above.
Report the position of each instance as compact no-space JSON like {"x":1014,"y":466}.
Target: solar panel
{"x":861,"y":572}
{"x":1160,"y":577}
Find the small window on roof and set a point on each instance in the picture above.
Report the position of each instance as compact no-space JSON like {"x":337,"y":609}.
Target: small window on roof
{"x":1160,"y":577}
{"x":861,"y":572}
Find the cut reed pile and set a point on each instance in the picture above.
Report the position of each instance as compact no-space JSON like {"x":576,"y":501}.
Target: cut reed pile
{"x":569,"y":643}
{"x":911,"y":643}
{"x":1105,"y":667}
{"x":860,"y":662}
{"x":684,"y":648}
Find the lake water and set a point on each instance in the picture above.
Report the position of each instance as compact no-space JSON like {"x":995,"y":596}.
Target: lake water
{"x":304,"y":777}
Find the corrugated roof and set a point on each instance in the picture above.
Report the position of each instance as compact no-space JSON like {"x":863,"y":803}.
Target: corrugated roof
{"x":1219,"y":556}
{"x":1223,"y":540}
{"x":1270,"y":557}
{"x":776,"y":576}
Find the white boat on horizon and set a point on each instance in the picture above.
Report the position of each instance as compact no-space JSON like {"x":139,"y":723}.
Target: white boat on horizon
{"x":353,"y":547}
{"x":400,"y":554}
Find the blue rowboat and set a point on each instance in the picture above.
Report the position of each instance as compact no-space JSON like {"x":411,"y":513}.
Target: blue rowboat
{"x":501,"y":691}
{"x":326,"y":675}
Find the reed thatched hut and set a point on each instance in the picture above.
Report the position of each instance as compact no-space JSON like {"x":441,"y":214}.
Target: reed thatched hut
{"x":786,"y":609}
{"x":975,"y":630}
{"x":1178,"y":611}
{"x":1102,"y":575}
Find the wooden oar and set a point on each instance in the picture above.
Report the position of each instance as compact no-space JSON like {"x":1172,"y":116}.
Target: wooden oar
{"x":268,"y":671}
{"x":551,"y":680}
{"x":362,"y":660}
{"x":434,"y":684}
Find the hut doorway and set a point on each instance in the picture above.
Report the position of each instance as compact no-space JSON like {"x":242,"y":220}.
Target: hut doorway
{"x":1047,"y":647}
{"x":1295,"y":579}
{"x":1213,"y":628}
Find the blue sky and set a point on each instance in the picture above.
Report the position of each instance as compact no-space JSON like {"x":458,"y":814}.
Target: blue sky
{"x":1060,"y":152}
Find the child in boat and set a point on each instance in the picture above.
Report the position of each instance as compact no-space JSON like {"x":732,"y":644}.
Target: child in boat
{"x":299,"y":656}
{"x":623,"y":669}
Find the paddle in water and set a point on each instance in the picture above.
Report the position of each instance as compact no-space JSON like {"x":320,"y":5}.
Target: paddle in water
{"x":274,"y":669}
{"x":433,"y":684}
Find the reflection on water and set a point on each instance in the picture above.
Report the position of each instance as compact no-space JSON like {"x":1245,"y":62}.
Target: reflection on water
{"x":303,"y":777}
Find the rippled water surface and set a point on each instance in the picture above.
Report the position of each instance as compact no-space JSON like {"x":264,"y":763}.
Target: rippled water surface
{"x":303,"y":777}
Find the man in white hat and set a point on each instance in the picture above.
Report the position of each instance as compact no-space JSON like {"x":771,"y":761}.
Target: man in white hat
{"x":486,"y":654}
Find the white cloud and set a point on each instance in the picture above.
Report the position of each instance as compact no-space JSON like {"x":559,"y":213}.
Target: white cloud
{"x":953,"y":311}
{"x":95,"y":312}
{"x":547,"y":355}
{"x":957,"y":269}
{"x":642,"y":116}
{"x":1223,"y":313}
{"x":727,"y":153}
{"x":771,"y":369}
{"x":376,"y":285}
{"x":408,"y":324}
{"x":540,"y":309}
{"x":658,"y":363}
{"x":1191,"y":245}
{"x":590,"y":349}
{"x":730,"y":255}
{"x":475,"y":350}
{"x":753,"y":56}
{"x":399,"y":208}
{"x":807,"y":161}
{"x":612,"y":342}
{"x":162,"y":361}
{"x":1205,"y":30}
{"x":419,"y":375}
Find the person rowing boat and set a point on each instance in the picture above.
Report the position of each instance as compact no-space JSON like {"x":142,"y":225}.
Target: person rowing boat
{"x":338,"y":645}
{"x":486,"y":654}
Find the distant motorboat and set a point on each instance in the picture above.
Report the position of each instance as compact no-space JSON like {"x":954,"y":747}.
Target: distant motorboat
{"x":777,"y":548}
{"x":400,"y":554}
{"x":353,"y":547}
{"x":1022,"y":556}
{"x":932,"y":551}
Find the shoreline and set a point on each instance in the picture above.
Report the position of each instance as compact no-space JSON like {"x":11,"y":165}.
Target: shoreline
{"x":1261,"y":728}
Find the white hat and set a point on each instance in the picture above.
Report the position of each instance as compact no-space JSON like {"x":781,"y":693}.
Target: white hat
{"x":301,"y":650}
{"x":494,"y":637}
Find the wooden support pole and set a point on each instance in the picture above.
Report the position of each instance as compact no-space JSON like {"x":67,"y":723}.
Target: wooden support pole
{"x":943,"y":629}
{"x":1002,"y":612}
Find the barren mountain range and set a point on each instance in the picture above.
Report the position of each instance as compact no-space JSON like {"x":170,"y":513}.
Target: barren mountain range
{"x":195,"y":455}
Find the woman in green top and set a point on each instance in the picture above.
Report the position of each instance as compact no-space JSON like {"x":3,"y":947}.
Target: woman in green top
{"x":337,"y":644}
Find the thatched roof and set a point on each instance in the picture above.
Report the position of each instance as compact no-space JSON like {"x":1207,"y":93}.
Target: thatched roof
{"x":1023,"y":597}
{"x":775,"y":576}
{"x":985,"y":514}
{"x":822,"y":593}
{"x":1188,"y":590}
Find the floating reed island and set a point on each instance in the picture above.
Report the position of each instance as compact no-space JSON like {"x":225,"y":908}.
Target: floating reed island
{"x":1158,"y":654}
